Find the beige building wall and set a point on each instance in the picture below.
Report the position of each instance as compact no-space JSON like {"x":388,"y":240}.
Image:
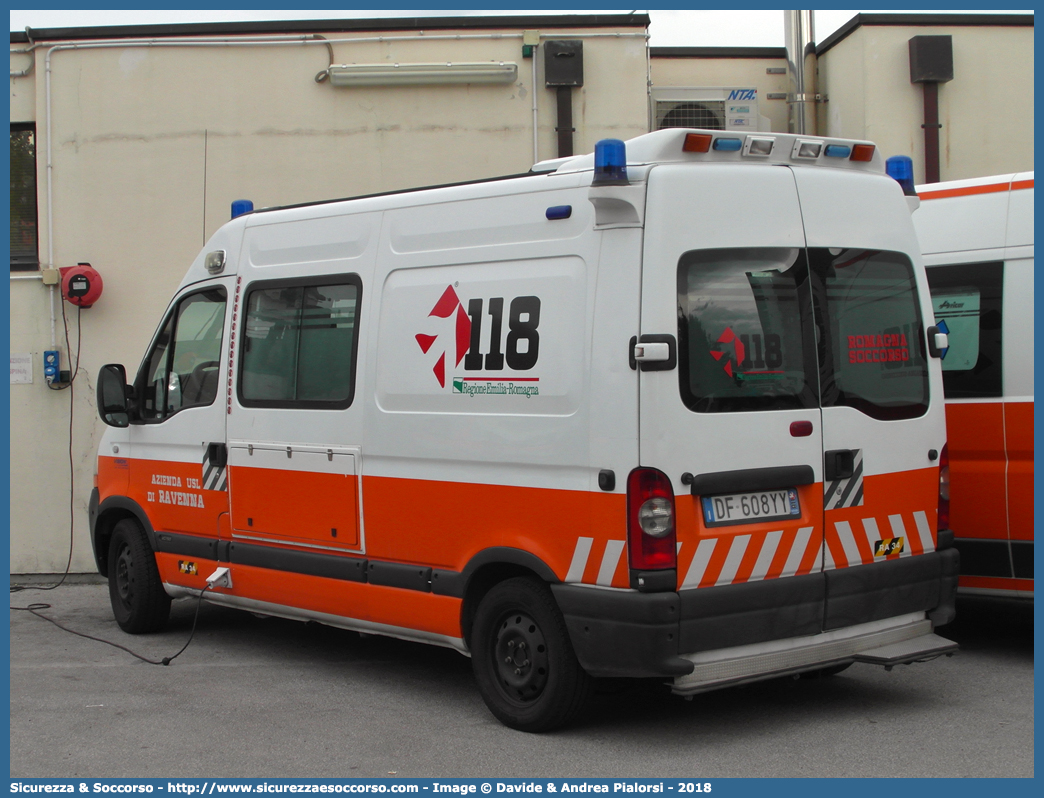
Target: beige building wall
{"x":986,"y":111}
{"x":150,"y":145}
{"x":714,"y":71}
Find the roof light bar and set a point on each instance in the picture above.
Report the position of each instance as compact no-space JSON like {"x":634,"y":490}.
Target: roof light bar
{"x":419,"y":74}
{"x":807,"y":150}
{"x":728,"y":145}
{"x":863,"y":152}
{"x":697,"y":142}
{"x":837,"y":151}
{"x":756,"y":145}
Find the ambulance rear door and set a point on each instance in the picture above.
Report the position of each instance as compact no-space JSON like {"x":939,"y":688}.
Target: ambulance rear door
{"x":733,"y":418}
{"x":883,"y":425}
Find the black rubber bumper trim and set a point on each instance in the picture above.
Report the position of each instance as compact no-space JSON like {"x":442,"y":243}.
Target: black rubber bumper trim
{"x":622,"y":633}
{"x":392,"y":574}
{"x":985,"y":557}
{"x":187,"y":545}
{"x":752,"y":612}
{"x":864,"y":593}
{"x":332,"y":566}
{"x":1022,"y":558}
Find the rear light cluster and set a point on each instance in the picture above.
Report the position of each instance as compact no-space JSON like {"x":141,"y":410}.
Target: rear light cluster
{"x":804,"y":150}
{"x":651,"y":539}
{"x":944,"y":488}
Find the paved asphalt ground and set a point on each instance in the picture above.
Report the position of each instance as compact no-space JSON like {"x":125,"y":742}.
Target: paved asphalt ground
{"x":255,"y":697}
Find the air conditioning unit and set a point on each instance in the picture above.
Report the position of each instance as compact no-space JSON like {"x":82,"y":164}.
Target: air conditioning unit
{"x":724,"y":108}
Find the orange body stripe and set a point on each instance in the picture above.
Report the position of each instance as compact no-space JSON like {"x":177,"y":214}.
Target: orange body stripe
{"x":977,"y":470}
{"x":996,"y":583}
{"x":968,"y":191}
{"x":408,"y":609}
{"x":297,"y":505}
{"x":443,"y":524}
{"x":1018,"y":432}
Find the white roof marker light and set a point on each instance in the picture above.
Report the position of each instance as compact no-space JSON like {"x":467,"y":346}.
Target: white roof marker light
{"x":758,"y":145}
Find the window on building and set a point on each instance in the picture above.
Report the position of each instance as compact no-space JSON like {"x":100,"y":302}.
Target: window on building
{"x":24,"y":238}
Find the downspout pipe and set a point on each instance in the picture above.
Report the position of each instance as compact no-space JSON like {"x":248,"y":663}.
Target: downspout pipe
{"x":931,"y":63}
{"x":800,"y":36}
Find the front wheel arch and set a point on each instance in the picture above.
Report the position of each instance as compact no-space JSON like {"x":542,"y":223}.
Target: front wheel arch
{"x":109,"y":513}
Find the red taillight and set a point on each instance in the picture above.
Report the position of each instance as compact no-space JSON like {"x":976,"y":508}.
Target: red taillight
{"x":944,"y":488}
{"x":650,"y":520}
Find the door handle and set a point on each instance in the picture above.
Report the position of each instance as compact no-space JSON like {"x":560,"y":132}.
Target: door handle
{"x":653,"y":352}
{"x":217,"y":454}
{"x":838,"y":464}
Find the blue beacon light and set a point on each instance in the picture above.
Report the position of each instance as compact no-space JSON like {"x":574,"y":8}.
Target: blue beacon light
{"x":900,"y":168}
{"x":239,"y":207}
{"x":610,"y":168}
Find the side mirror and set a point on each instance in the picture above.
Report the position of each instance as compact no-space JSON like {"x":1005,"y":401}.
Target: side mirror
{"x":112,"y":395}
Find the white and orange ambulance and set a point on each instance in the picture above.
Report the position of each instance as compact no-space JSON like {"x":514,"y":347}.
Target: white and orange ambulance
{"x":977,"y":242}
{"x":673,"y":409}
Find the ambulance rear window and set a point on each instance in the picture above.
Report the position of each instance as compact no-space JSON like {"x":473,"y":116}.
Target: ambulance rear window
{"x":744,"y":329}
{"x":874,"y":358}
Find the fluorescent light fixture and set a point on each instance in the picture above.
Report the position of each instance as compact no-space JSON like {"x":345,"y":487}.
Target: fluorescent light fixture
{"x":420,"y":74}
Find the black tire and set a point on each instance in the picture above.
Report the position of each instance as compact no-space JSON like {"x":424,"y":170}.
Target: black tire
{"x":830,"y":670}
{"x":526,"y":670}
{"x":135,"y":590}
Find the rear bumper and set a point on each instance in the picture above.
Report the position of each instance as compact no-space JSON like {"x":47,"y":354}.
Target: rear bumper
{"x":627,"y":633}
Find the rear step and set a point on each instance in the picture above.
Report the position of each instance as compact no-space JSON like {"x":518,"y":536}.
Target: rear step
{"x":889,"y":642}
{"x":918,"y":649}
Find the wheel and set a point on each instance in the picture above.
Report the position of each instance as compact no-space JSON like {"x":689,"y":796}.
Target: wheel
{"x":135,"y":590}
{"x":526,"y":670}
{"x":830,"y":670}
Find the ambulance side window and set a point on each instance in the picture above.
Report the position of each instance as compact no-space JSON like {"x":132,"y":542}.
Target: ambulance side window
{"x":744,"y":330}
{"x":182,"y":368}
{"x":872,"y":354}
{"x":967,"y":297}
{"x":299,"y":343}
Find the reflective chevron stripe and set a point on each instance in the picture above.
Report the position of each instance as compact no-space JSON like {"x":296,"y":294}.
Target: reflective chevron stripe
{"x":729,"y":560}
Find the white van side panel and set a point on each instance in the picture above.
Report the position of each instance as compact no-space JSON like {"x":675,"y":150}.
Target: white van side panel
{"x":460,"y":423}
{"x":1018,"y":338}
{"x":1020,"y":212}
{"x":963,"y":222}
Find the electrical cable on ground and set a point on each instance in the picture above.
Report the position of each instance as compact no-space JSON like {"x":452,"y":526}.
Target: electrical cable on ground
{"x":34,"y":609}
